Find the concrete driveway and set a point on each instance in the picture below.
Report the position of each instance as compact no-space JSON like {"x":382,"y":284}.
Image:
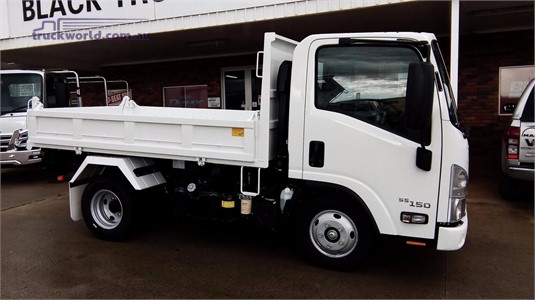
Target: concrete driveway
{"x":46,"y":255}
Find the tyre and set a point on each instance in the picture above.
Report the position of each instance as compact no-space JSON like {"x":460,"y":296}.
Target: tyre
{"x":108,"y":209}
{"x":334,"y":235}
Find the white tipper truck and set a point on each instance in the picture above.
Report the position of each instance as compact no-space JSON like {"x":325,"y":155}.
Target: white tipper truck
{"x":357,"y":137}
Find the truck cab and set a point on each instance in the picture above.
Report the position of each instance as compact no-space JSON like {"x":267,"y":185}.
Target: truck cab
{"x":406,"y":159}
{"x":18,"y":87}
{"x":59,"y":88}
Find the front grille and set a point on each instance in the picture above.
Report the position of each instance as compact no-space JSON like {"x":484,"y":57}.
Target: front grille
{"x":23,"y":139}
{"x":4,"y":142}
{"x":19,"y":143}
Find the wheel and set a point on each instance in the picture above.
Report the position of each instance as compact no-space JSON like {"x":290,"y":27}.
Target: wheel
{"x":108,"y":209}
{"x":334,"y":235}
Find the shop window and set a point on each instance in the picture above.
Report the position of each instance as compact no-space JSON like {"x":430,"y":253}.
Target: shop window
{"x":190,"y":96}
{"x":513,"y":81}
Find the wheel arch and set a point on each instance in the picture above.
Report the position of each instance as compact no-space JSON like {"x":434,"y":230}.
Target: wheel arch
{"x":140,"y":173}
{"x":314,"y":190}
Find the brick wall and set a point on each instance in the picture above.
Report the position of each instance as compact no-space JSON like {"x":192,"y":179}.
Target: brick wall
{"x":480,"y":59}
{"x":147,"y":80}
{"x":92,"y":93}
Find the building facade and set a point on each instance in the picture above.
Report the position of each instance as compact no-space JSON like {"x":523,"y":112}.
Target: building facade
{"x":203,"y":53}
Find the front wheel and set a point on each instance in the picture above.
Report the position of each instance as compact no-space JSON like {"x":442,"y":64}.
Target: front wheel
{"x":107,"y":208}
{"x":334,"y":235}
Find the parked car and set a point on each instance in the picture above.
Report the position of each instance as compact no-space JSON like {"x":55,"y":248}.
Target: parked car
{"x":518,"y":146}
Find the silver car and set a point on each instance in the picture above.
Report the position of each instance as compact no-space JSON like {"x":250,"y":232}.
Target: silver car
{"x":518,"y":146}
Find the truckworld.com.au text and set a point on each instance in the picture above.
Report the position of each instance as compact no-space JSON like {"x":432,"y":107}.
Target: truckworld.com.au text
{"x":81,"y":36}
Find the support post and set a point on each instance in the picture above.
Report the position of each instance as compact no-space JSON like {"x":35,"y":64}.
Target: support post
{"x":454,"y":44}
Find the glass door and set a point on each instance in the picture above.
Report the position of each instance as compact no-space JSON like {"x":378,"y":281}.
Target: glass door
{"x":241,"y":89}
{"x":234,"y":90}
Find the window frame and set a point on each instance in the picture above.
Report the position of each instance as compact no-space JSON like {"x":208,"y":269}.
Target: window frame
{"x":445,"y":85}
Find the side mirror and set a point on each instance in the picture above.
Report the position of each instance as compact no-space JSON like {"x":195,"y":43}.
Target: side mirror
{"x":419,"y":98}
{"x":419,"y":107}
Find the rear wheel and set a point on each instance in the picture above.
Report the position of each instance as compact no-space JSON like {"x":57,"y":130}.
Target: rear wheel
{"x":334,"y":235}
{"x":108,"y":209}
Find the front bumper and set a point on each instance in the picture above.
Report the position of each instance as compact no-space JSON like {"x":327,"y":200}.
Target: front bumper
{"x":19,"y":158}
{"x":452,"y":238}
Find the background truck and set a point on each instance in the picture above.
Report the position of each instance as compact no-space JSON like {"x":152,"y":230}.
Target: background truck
{"x":518,"y":145}
{"x":59,"y":88}
{"x":18,"y":87}
{"x":357,"y":137}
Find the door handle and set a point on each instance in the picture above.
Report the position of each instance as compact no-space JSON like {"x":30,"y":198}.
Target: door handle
{"x":316,"y":154}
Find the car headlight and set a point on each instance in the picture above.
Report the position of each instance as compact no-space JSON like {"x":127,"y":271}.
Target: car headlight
{"x":458,"y":194}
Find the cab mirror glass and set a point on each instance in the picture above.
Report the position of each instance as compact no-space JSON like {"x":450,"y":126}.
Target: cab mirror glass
{"x":420,"y":92}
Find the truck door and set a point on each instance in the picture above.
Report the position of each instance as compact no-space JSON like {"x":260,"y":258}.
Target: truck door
{"x":57,"y":91}
{"x":355,"y":133}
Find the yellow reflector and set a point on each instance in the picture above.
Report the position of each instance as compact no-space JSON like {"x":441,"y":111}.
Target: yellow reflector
{"x":240,"y":132}
{"x":227,"y":204}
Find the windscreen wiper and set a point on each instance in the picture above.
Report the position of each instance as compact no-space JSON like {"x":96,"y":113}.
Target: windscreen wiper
{"x":18,"y":109}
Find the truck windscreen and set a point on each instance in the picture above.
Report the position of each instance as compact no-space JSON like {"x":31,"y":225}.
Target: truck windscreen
{"x":17,"y":89}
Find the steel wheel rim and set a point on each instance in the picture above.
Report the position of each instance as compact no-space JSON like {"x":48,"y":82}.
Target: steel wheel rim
{"x":333,"y":233}
{"x":106,"y":209}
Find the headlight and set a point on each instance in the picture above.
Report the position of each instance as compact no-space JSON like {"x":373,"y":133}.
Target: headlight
{"x":458,"y":193}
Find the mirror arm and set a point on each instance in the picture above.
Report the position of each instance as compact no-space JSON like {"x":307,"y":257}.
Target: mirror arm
{"x":424,"y":157}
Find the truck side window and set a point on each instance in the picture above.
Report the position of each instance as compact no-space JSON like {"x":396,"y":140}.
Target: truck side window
{"x":366,"y":82}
